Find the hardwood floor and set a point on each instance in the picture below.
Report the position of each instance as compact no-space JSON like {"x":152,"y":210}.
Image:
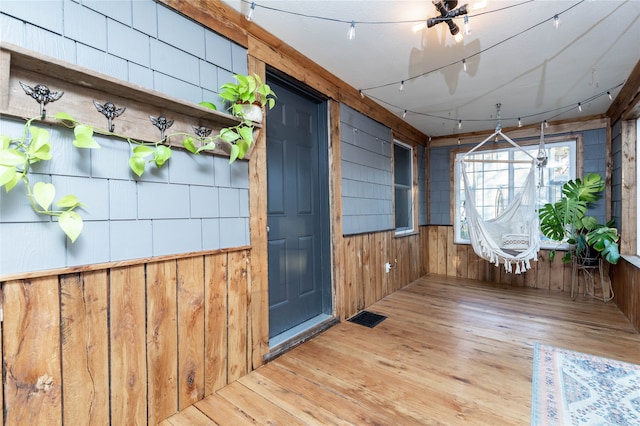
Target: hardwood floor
{"x":450,"y":352}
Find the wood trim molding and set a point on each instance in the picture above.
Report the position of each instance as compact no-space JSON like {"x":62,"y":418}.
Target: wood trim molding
{"x":116,"y":264}
{"x":532,"y":131}
{"x":626,"y":105}
{"x":629,"y":219}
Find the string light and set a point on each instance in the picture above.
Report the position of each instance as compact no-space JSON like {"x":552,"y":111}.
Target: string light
{"x":351,"y":34}
{"x":458,"y":141}
{"x":459,"y":124}
{"x":401,"y":86}
{"x":609,"y":95}
{"x":464,"y":65}
{"x":361,"y":94}
{"x":556,"y":21}
{"x":580,"y":106}
{"x":546,"y":123}
{"x":467,"y":27}
{"x":404,"y":114}
{"x":519,"y":122}
{"x":252,"y":8}
{"x":458,"y":37}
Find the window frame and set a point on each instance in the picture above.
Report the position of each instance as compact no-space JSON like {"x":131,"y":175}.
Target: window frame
{"x":409,"y":188}
{"x":575,"y":142}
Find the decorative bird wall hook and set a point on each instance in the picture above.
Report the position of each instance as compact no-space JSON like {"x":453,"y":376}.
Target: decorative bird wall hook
{"x":42,"y":95}
{"x":161,"y":123}
{"x":201,"y":132}
{"x":110,"y":111}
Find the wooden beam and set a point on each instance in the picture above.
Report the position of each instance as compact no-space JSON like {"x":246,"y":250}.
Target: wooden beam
{"x":629,"y":219}
{"x":626,"y":105}
{"x":525,"y":132}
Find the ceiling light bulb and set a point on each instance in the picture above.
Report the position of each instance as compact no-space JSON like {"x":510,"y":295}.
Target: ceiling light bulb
{"x":458,"y":37}
{"x":464,"y":65}
{"x":556,"y":21}
{"x":404,"y":114}
{"x":361,"y":94}
{"x":416,"y":28}
{"x":458,"y":141}
{"x":478,"y":5}
{"x":546,"y":123}
{"x":401,"y":86}
{"x":519,"y":122}
{"x":610,"y":97}
{"x":459,"y":124}
{"x":351,"y":34}
{"x":467,"y":27}
{"x":579,"y":106}
{"x":252,"y":8}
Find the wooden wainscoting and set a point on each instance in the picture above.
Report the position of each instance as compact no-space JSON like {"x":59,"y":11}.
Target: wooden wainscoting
{"x":365,"y":279}
{"x":459,"y":260}
{"x":625,"y":283}
{"x":124,"y":345}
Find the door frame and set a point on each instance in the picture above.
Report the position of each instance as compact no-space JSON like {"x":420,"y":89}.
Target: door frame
{"x":325,"y":180}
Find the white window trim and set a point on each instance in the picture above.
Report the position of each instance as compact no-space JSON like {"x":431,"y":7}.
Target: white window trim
{"x":411,"y":230}
{"x":546,"y":245}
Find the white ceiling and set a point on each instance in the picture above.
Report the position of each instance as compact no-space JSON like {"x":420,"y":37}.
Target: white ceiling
{"x":515,"y":56}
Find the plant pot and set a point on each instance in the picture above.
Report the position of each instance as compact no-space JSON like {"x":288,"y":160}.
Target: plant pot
{"x":252,"y":112}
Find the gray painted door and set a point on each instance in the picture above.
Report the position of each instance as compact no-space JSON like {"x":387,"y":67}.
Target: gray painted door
{"x":298,"y":213}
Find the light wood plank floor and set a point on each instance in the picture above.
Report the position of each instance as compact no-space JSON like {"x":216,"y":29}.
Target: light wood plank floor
{"x":450,"y":352}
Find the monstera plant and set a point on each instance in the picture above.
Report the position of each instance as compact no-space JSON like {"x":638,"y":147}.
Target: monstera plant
{"x":567,"y":221}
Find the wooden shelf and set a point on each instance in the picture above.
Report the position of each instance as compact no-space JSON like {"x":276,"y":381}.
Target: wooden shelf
{"x":82,"y":86}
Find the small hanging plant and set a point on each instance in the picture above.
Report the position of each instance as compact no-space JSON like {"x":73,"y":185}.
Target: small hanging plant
{"x":17,"y":155}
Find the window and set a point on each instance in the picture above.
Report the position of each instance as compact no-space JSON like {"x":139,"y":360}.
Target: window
{"x":403,"y":185}
{"x":495,"y":183}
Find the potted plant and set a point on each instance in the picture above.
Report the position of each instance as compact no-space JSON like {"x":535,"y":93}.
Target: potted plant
{"x":247,"y":96}
{"x":567,"y":221}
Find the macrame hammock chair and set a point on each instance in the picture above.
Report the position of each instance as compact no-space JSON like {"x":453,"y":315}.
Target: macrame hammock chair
{"x":512,"y":238}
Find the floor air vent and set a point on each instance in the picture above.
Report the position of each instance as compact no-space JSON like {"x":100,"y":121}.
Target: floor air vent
{"x":368,"y":319}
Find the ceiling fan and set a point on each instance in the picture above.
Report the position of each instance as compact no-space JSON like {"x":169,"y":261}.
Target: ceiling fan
{"x":448,"y":10}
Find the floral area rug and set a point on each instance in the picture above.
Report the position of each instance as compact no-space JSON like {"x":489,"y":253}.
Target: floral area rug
{"x":573,"y":388}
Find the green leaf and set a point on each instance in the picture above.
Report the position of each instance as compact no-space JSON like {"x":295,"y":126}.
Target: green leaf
{"x":137,"y":165}
{"x":161,"y":155}
{"x":229,"y":135}
{"x":233,"y":156}
{"x":71,"y":223}
{"x":5,"y":142}
{"x":13,"y":182}
{"x":189,"y":145}
{"x":208,"y":105}
{"x":611,"y":252}
{"x":142,"y":151}
{"x":246,"y":133}
{"x":44,"y":193}
{"x":84,"y":137}
{"x":211,"y":145}
{"x":39,"y":148}
{"x":11,"y":157}
{"x":66,"y":119}
{"x":589,"y":189}
{"x":69,"y":202}
{"x":552,"y":255}
{"x":7,"y":175}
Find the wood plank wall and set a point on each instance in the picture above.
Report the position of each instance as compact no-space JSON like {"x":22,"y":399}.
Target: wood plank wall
{"x":365,"y":279}
{"x":124,"y":345}
{"x":459,"y":260}
{"x":625,"y":283}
